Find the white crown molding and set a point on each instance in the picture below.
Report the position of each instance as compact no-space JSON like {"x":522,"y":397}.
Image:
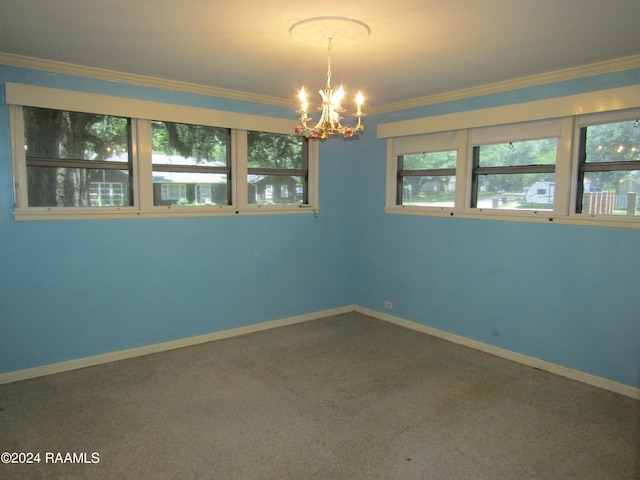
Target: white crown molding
{"x":573,"y":73}
{"x":566,"y":106}
{"x":141,"y":80}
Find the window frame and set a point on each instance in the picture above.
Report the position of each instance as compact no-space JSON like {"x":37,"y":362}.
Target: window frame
{"x":20,"y":95}
{"x":581,"y":166}
{"x":431,"y":143}
{"x":568,"y":114}
{"x":225,"y":170}
{"x":80,"y":163}
{"x":505,"y":134}
{"x":284,"y":172}
{"x":415,"y":172}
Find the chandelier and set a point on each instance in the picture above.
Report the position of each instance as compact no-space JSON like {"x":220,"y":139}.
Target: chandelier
{"x":329,"y":30}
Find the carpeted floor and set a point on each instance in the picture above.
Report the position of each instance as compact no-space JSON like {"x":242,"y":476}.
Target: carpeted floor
{"x":346,"y":397}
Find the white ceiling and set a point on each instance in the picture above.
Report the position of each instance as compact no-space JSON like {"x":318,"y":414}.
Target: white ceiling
{"x":416,"y":48}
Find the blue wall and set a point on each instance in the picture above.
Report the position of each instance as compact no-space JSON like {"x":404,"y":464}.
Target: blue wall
{"x":565,"y":294}
{"x":71,"y":289}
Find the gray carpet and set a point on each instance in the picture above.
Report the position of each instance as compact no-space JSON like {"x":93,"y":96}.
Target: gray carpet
{"x":346,"y":397}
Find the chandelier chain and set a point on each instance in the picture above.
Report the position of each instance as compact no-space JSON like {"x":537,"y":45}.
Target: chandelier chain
{"x":331,"y":110}
{"x":329,"y":64}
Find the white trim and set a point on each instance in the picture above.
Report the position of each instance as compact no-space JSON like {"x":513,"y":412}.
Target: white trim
{"x":464,"y":170}
{"x":54,"y":98}
{"x":429,"y":142}
{"x":564,"y":195}
{"x":518,"y":132}
{"x":16,"y":129}
{"x":531,"y":216}
{"x":570,"y":105}
{"x":313,"y":168}
{"x":593,"y":380}
{"x":607,"y":66}
{"x":142,"y":80}
{"x":106,"y":213}
{"x":239,"y":189}
{"x":600,"y":68}
{"x":392,"y":172}
{"x":141,"y":134}
{"x":601,"y":118}
{"x":75,"y":364}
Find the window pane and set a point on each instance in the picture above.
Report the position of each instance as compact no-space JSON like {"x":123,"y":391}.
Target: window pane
{"x":431,"y":160}
{"x":429,"y":191}
{"x":611,"y":193}
{"x":77,"y":187}
{"x":531,"y":152}
{"x":610,"y":169}
{"x":184,"y":144}
{"x":528,"y":191}
{"x":190,"y":164}
{"x":278,"y":151}
{"x":190,"y":189}
{"x":275,"y":189}
{"x":613,"y":142}
{"x":57,"y":134}
{"x":61,"y":148}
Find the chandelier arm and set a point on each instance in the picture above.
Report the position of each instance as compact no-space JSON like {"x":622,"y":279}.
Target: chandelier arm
{"x":331,"y":110}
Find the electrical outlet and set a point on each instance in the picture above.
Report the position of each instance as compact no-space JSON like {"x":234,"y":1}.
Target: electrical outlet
{"x":388,"y":304}
{"x":495,"y":332}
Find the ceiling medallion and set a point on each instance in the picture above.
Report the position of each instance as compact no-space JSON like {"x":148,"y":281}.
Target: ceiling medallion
{"x":329,"y":31}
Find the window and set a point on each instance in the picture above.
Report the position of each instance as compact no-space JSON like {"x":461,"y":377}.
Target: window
{"x":80,"y":155}
{"x":173,"y":191}
{"x":424,"y":170}
{"x":609,"y":169}
{"x":191,"y":164}
{"x":277,"y":169}
{"x":514,"y":175}
{"x":76,"y":159}
{"x":109,"y":194}
{"x":427,"y":179}
{"x":579,"y":169}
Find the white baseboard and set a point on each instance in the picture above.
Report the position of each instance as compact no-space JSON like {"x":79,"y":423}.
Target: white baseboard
{"x":593,"y":380}
{"x":75,"y":364}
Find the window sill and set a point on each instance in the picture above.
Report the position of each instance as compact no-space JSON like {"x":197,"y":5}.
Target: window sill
{"x":530,"y":216}
{"x":110,"y":213}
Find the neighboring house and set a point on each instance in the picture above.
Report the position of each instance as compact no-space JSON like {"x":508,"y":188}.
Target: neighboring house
{"x":204,"y":189}
{"x":109,"y":188}
{"x":273,"y":189}
{"x":171,"y":187}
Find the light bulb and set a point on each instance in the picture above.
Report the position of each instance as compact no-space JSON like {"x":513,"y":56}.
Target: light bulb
{"x":303,"y":97}
{"x":359,"y":102}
